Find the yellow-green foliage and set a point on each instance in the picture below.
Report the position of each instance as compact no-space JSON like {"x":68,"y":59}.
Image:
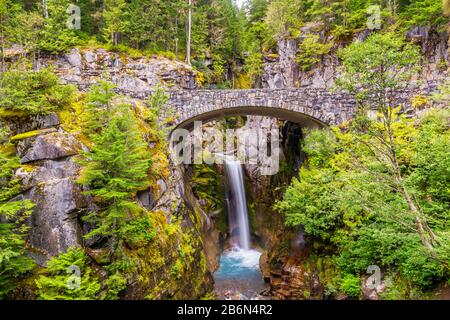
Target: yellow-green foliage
{"x":68,"y":277}
{"x":420,"y":101}
{"x":199,"y":78}
{"x":28,"y":134}
{"x":311,"y":51}
{"x":243,"y":81}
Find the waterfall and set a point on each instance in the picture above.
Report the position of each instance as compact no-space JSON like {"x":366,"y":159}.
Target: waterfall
{"x":237,"y":204}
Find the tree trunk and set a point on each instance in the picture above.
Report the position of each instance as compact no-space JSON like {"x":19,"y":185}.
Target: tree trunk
{"x":3,"y":52}
{"x":419,"y":223}
{"x":44,"y":7}
{"x":188,"y":44}
{"x":398,"y":176}
{"x":176,"y":37}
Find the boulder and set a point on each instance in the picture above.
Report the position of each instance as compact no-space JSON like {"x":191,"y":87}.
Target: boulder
{"x":53,"y":230}
{"x":74,"y":58}
{"x":48,"y":146}
{"x":58,"y":201}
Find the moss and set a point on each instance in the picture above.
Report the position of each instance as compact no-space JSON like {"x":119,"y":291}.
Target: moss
{"x":209,"y":296}
{"x":306,"y":293}
{"x":27,"y":168}
{"x":29,"y":134}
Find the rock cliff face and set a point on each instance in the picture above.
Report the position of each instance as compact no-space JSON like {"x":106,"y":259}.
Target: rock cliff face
{"x":281,"y":71}
{"x":49,"y":170}
{"x":131,"y":75}
{"x":48,"y":176}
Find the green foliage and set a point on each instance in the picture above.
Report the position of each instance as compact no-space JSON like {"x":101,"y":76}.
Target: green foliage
{"x":114,"y":169}
{"x":59,"y":281}
{"x":117,"y":20}
{"x":311,"y":51}
{"x":372,"y":66}
{"x":32,"y":92}
{"x":139,"y":232}
{"x":284,"y":17}
{"x":157,"y":103}
{"x":424,"y":13}
{"x":54,"y":35}
{"x":207,"y":186}
{"x":254,"y":67}
{"x":319,"y":145}
{"x":115,"y":284}
{"x":13,"y":261}
{"x":348,"y":200}
{"x":368,"y":191}
{"x":99,"y":107}
{"x":350,"y":285}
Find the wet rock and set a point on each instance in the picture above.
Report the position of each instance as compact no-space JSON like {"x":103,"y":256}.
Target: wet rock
{"x":52,"y":228}
{"x":212,"y":250}
{"x":264,"y":266}
{"x":282,"y":72}
{"x":162,"y":188}
{"x":58,"y":201}
{"x":48,"y":146}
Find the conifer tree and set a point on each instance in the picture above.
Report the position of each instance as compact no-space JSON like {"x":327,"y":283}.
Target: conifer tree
{"x":68,"y":277}
{"x":115,"y":169}
{"x":13,"y":262}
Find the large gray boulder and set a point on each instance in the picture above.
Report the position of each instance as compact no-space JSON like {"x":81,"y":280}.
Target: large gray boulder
{"x":58,"y":201}
{"x":51,"y":145}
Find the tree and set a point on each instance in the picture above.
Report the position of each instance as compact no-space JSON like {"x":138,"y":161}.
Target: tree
{"x":311,"y":51}
{"x":345,"y":197}
{"x":8,"y":11}
{"x":33,"y":92}
{"x":283,"y":16}
{"x":99,"y":107}
{"x":115,"y":169}
{"x":13,"y":212}
{"x":378,"y":68}
{"x":68,"y":277}
{"x":54,"y":35}
{"x":189,"y":29}
{"x":116,"y":20}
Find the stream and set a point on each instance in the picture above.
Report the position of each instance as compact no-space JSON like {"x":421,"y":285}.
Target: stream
{"x":239,"y":276}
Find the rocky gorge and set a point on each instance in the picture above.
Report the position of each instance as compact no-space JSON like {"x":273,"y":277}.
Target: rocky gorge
{"x":49,"y":146}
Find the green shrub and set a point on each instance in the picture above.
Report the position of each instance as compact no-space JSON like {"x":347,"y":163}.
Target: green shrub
{"x":13,"y":262}
{"x":138,"y":232}
{"x":350,"y":285}
{"x":114,"y":285}
{"x":59,"y":282}
{"x":33,"y":92}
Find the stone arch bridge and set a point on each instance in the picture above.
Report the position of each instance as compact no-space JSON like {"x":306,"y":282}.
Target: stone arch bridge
{"x":308,"y":107}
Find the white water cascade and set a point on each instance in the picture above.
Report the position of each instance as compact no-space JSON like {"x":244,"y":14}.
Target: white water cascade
{"x":238,"y":276}
{"x":237,"y":204}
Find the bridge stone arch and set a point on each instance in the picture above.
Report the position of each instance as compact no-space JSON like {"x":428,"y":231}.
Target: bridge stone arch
{"x":308,"y":107}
